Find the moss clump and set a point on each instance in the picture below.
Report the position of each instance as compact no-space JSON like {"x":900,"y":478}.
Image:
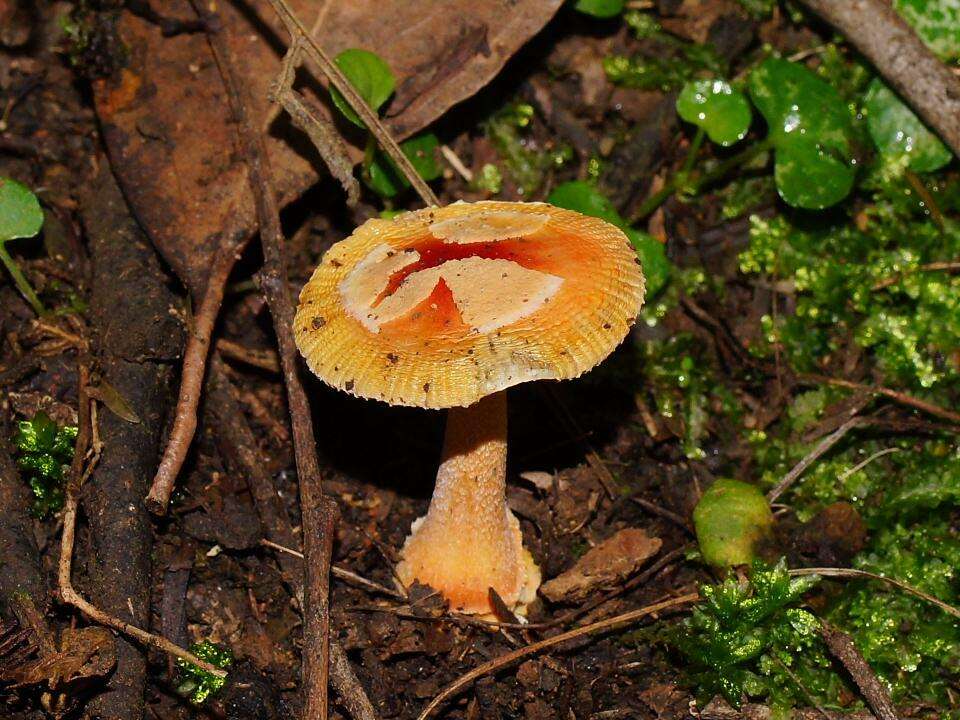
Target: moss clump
{"x":196,"y":683}
{"x":45,"y":450}
{"x":667,"y":62}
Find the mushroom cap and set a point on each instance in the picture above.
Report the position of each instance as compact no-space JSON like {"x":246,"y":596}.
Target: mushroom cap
{"x":440,"y":307}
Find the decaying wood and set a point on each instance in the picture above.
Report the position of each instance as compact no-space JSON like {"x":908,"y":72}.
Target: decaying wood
{"x":19,"y":556}
{"x":901,"y":57}
{"x":135,"y":340}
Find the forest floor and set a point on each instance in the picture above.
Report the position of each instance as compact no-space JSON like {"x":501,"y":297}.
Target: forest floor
{"x":768,"y":328}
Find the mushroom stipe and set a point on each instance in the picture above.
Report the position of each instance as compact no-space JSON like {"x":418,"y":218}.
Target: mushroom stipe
{"x":447,"y":308}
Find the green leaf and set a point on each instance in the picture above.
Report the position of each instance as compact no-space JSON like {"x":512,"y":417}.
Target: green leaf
{"x":717,"y":108}
{"x":936,"y":22}
{"x":385,"y":179}
{"x":370,"y":75}
{"x":809,"y":128}
{"x":20,"y":213}
{"x":896,"y":131}
{"x":730,"y":519}
{"x":599,"y":8}
{"x":584,"y":198}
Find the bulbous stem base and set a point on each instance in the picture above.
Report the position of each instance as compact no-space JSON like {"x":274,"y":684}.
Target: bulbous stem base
{"x":469,"y":541}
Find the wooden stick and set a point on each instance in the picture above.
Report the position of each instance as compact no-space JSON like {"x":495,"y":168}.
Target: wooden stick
{"x":874,"y":692}
{"x":299,"y":33}
{"x":319,"y":513}
{"x":828,"y":442}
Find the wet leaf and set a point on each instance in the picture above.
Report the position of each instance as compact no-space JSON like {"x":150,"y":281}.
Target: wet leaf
{"x":584,"y":198}
{"x":936,"y":22}
{"x":599,"y":8}
{"x":172,"y":139}
{"x":809,"y":128}
{"x":897,"y":131}
{"x":20,"y":213}
{"x":730,"y":519}
{"x":386,"y":180}
{"x":717,"y":107}
{"x":370,"y":75}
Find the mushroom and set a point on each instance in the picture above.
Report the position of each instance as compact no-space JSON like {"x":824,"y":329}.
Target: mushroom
{"x":446,"y":308}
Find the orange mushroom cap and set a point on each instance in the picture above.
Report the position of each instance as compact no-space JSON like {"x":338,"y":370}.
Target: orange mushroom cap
{"x":443,"y":306}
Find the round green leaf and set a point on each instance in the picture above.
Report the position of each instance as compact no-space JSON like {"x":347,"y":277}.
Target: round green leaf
{"x":936,"y":22}
{"x":385,"y":179}
{"x":585,"y":198}
{"x":810,"y":128}
{"x":715,"y":106}
{"x":896,"y":131}
{"x":730,"y":519}
{"x":370,"y":75}
{"x":810,"y":176}
{"x":599,"y":8}
{"x":20,"y":213}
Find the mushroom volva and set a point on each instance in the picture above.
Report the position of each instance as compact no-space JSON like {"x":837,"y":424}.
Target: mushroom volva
{"x":447,"y":308}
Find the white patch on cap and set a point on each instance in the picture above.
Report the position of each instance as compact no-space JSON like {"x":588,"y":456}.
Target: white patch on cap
{"x":490,"y":293}
{"x":488,"y":226}
{"x":361,"y":288}
{"x":493,"y":293}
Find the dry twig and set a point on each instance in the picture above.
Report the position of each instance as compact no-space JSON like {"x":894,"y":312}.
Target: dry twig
{"x":319,"y":513}
{"x":895,"y":395}
{"x":80,"y":469}
{"x":515,"y":656}
{"x":863,"y":574}
{"x":300,"y":36}
{"x":797,"y":470}
{"x":191,"y":377}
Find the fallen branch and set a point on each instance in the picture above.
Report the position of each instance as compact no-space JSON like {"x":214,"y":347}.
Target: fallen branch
{"x":874,"y":692}
{"x":947,"y":267}
{"x":901,"y":57}
{"x":515,"y":656}
{"x":824,"y":445}
{"x":318,"y":512}
{"x":80,"y":470}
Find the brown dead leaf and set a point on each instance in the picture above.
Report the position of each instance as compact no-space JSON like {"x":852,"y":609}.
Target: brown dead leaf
{"x":85,"y":654}
{"x":172,"y":141}
{"x":605,"y":565}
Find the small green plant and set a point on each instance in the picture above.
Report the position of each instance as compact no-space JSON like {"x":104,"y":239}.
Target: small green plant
{"x":20,"y":217}
{"x":584,"y":198}
{"x":936,"y":21}
{"x":196,"y":683}
{"x":375,"y":82}
{"x":745,"y":632}
{"x":44,"y":452}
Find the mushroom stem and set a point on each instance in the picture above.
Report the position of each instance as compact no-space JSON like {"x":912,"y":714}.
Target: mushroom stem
{"x":469,"y":541}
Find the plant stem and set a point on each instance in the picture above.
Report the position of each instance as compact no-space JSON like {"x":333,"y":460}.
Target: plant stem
{"x":21,"y":281}
{"x":680,"y":180}
{"x":692,"y":151}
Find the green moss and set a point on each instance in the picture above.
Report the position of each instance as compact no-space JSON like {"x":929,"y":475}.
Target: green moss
{"x":196,"y":683}
{"x":668,"y":62}
{"x":526,"y":163}
{"x":45,"y":450}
